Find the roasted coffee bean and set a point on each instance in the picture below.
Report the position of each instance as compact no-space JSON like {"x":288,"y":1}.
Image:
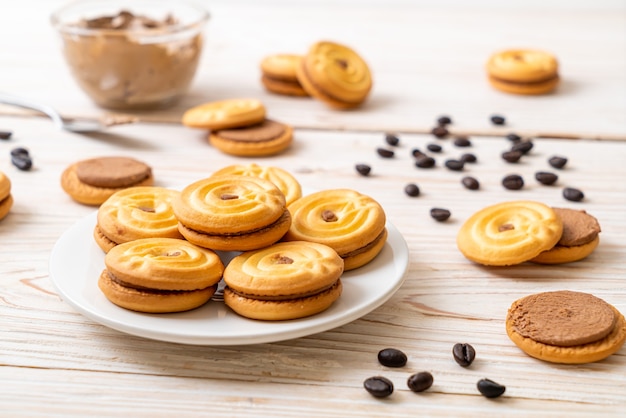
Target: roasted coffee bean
{"x":425,"y":161}
{"x":572,"y":194}
{"x":378,"y":386}
{"x":557,"y":162}
{"x":514,"y":137}
{"x":392,"y":139}
{"x":416,"y":152}
{"x":462,"y":141}
{"x":419,"y":382}
{"x":434,"y":147}
{"x":513,"y":182}
{"x":440,"y":131}
{"x":363,"y":169}
{"x":444,"y":120}
{"x":440,"y":214}
{"x":5,"y":134}
{"x":22,"y":161}
{"x":385,"y":153}
{"x":468,"y":158}
{"x":498,"y":120}
{"x":19,"y":151}
{"x":412,"y":190}
{"x":470,"y":183}
{"x":511,"y":156}
{"x":545,"y":177}
{"x":489,"y":388}
{"x":455,"y":165}
{"x":392,"y":357}
{"x":523,"y":146}
{"x":463,"y":354}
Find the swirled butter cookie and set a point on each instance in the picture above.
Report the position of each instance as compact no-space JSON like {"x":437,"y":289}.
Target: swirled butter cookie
{"x":509,"y":233}
{"x":159,"y":275}
{"x":285,"y":182}
{"x":225,"y":114}
{"x":93,"y":181}
{"x":287,"y":280}
{"x":335,"y":74}
{"x":6,"y":200}
{"x":135,"y":213}
{"x":566,"y":327}
{"x":278,"y":74}
{"x":351,"y":223}
{"x":523,"y":71}
{"x":232,"y":213}
{"x":262,"y":139}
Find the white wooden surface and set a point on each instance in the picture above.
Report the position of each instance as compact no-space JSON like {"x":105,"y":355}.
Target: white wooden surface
{"x":55,"y":362}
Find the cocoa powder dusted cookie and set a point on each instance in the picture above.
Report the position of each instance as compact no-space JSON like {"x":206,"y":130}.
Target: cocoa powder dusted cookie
{"x":93,"y":181}
{"x":278,"y":74}
{"x":566,"y":327}
{"x":6,"y":200}
{"x":266,"y":138}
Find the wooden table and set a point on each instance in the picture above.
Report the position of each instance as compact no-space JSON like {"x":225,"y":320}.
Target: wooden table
{"x":427,"y":59}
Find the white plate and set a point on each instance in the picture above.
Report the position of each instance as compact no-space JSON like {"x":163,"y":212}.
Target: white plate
{"x":76,"y":263}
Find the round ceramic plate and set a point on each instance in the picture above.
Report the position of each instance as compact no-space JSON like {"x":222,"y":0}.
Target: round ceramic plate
{"x":76,"y":263}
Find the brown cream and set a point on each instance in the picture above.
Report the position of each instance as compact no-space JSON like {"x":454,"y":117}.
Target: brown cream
{"x":579,"y":227}
{"x":285,"y":297}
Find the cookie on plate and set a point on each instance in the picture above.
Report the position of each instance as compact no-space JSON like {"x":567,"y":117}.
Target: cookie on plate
{"x":225,"y":114}
{"x":580,"y":238}
{"x":566,"y":327}
{"x":523,"y":71}
{"x":335,"y":74}
{"x":160,"y":275}
{"x":135,"y":213}
{"x":93,"y":181}
{"x":284,"y":180}
{"x":287,"y":280}
{"x":509,"y":233}
{"x":278,"y":74}
{"x":262,"y":139}
{"x":232,"y":213}
{"x":351,"y":223}
{"x":6,"y":200}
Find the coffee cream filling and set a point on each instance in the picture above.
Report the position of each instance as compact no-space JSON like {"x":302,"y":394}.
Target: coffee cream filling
{"x":153,"y":291}
{"x":285,"y":297}
{"x":526,"y":83}
{"x":283,"y":218}
{"x":365,"y":248}
{"x":324,"y":93}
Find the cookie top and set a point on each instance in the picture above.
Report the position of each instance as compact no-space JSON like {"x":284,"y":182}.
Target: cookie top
{"x":509,"y":233}
{"x":579,"y":227}
{"x":285,"y":182}
{"x":562,"y":318}
{"x":112,"y":172}
{"x":163,"y":263}
{"x":284,"y":271}
{"x":229,"y":204}
{"x":522,"y":65}
{"x":225,"y":114}
{"x":5,"y":186}
{"x":281,"y":66}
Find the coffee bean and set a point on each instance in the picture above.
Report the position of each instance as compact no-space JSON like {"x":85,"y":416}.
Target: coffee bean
{"x":378,"y":386}
{"x":434,"y":147}
{"x":523,"y":146}
{"x":512,"y":156}
{"x":469,"y":158}
{"x":463,"y":354}
{"x":5,"y":134}
{"x":557,"y":162}
{"x":514,"y":137}
{"x":392,"y":357}
{"x":498,"y":120}
{"x":22,"y":161}
{"x":470,"y":183}
{"x":513,"y":182}
{"x":392,"y":139}
{"x":444,"y":120}
{"x":440,"y":214}
{"x":425,"y":161}
{"x":573,"y":195}
{"x":416,"y":152}
{"x":412,"y":190}
{"x":19,"y":151}
{"x":385,"y":153}
{"x":440,"y":132}
{"x":462,"y":141}
{"x":363,"y":169}
{"x":545,"y":177}
{"x":419,"y":382}
{"x":489,"y":388}
{"x":455,"y":165}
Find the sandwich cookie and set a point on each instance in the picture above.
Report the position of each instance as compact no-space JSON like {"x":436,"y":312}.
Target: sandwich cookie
{"x":159,"y":275}
{"x":135,"y":213}
{"x":287,"y":280}
{"x":6,"y":200}
{"x":523,"y":71}
{"x":266,"y":138}
{"x":335,"y":74}
{"x":580,"y":238}
{"x":509,"y":233}
{"x":566,"y":327}
{"x":93,"y":181}
{"x":351,"y":223}
{"x":278,"y":74}
{"x":232,"y":213}
{"x":225,"y":114}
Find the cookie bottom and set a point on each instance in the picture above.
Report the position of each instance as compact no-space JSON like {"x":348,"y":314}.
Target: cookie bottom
{"x":283,"y":87}
{"x":102,"y":240}
{"x":252,"y":148}
{"x":279,"y":310}
{"x":560,"y":254}
{"x":5,"y":206}
{"x":360,"y":259}
{"x":531,"y":88}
